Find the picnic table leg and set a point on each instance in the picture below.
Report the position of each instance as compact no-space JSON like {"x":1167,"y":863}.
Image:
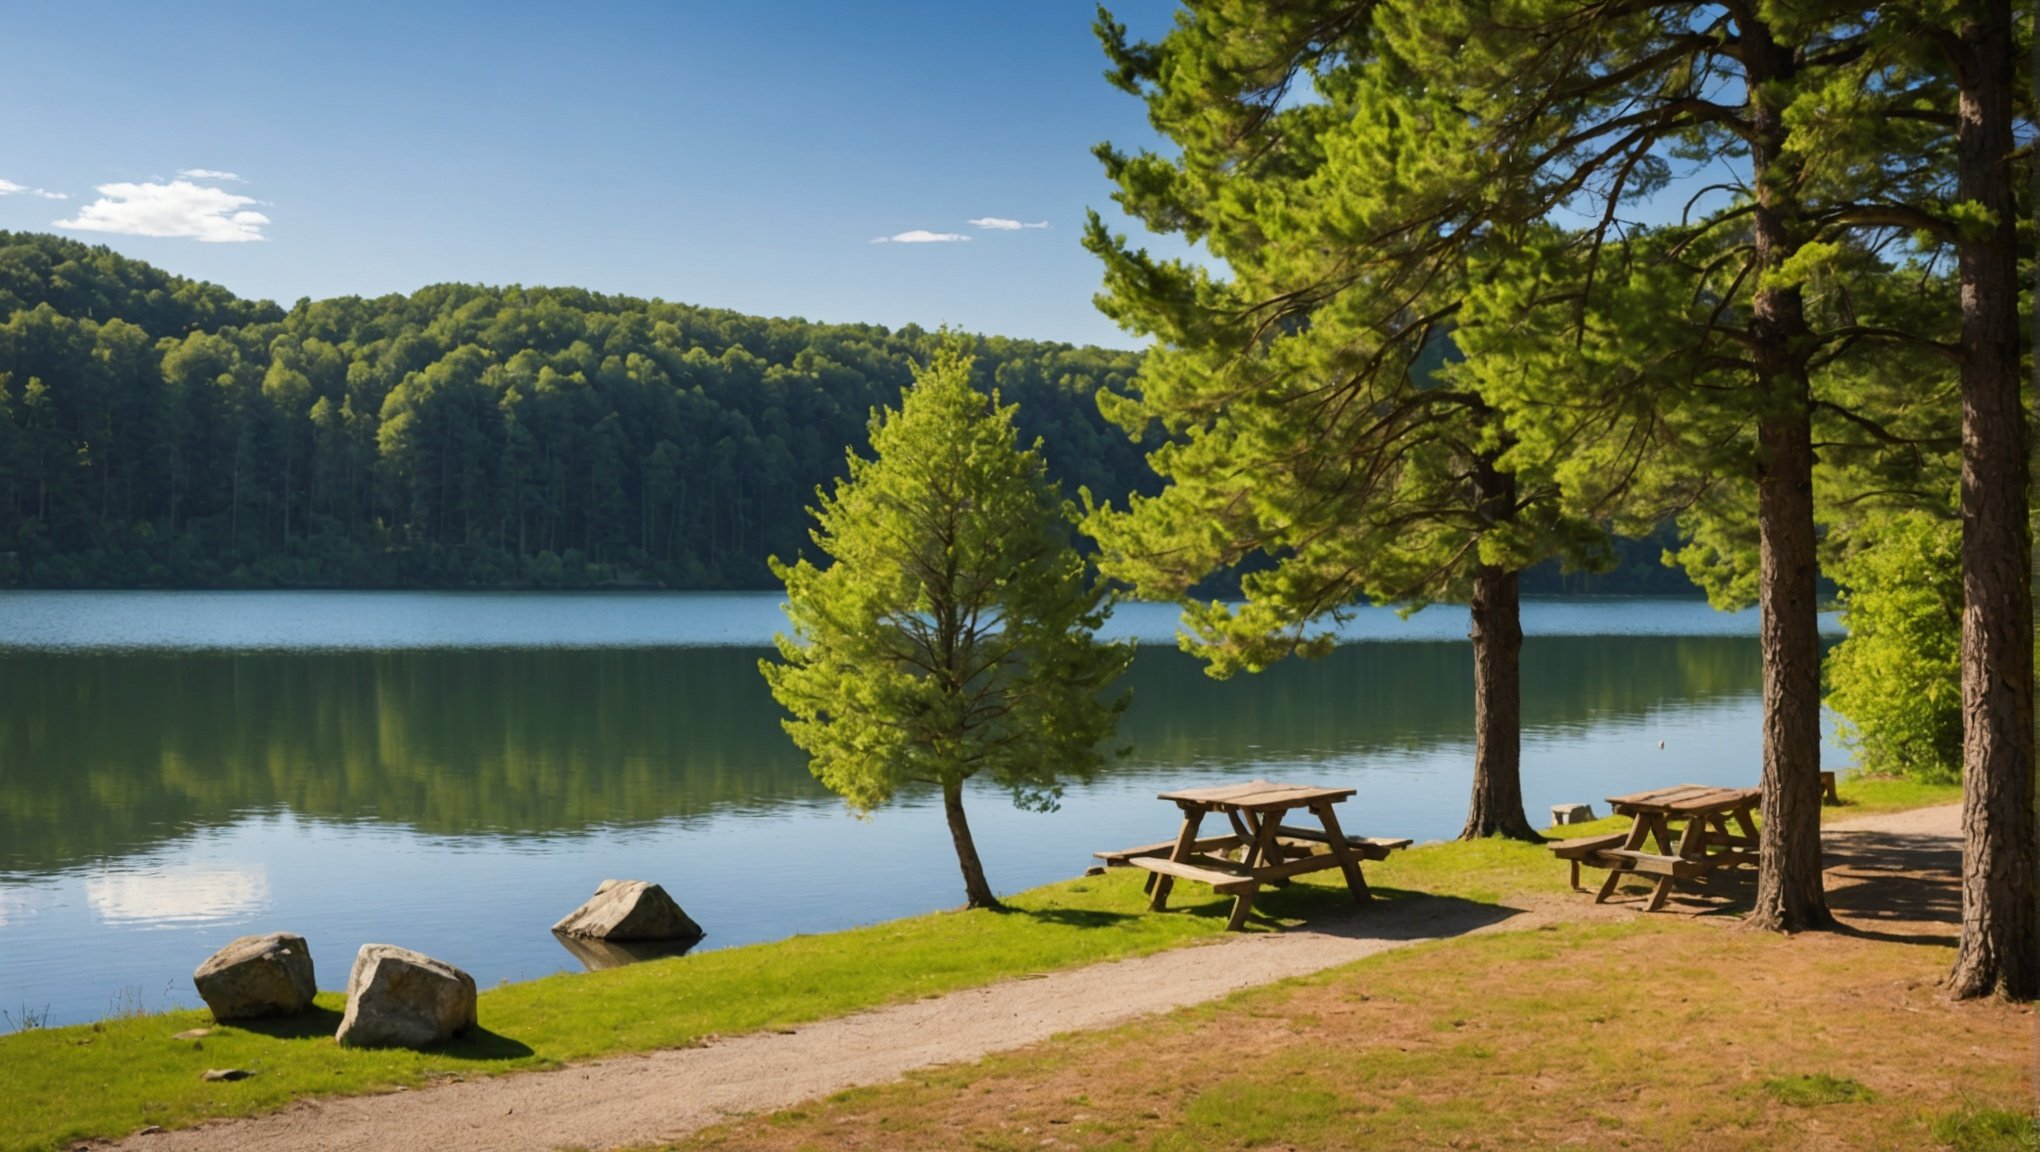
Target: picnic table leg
{"x":1186,"y":843}
{"x":1262,"y":848}
{"x":1241,"y":905}
{"x":1638,"y":829}
{"x":1743,"y":821}
{"x":1691,"y":840}
{"x":1659,"y":894}
{"x":1342,"y":852}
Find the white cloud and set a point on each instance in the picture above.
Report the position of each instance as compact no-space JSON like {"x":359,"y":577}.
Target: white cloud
{"x":209,"y":174}
{"x":1001,"y":224}
{"x":10,"y":188}
{"x":179,"y":208}
{"x":921,"y":236}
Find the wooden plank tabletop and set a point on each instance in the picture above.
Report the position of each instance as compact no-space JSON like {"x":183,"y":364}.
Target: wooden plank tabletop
{"x":1258,"y":795}
{"x":1684,"y":799}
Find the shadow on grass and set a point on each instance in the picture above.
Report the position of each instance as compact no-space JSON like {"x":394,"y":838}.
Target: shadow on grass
{"x":1392,"y":913}
{"x":319,"y":1023}
{"x":313,"y":1021}
{"x":480,"y":1044}
{"x":1075,"y":917}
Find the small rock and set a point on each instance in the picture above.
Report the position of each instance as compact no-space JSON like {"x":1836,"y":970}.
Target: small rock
{"x":1571,"y":813}
{"x":217,"y":1074}
{"x":397,"y":998}
{"x":193,"y":1034}
{"x":268,"y":975}
{"x":151,"y":1130}
{"x":626,"y":910}
{"x":1095,"y":870}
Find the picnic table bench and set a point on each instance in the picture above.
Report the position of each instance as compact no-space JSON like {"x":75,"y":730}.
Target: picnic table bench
{"x":1270,"y":850}
{"x":1703,"y":841}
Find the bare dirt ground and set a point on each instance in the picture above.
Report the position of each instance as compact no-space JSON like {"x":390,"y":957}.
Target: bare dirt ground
{"x":1879,"y":864}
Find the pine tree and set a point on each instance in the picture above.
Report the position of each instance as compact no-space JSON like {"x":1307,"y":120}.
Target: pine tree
{"x":951,"y":636}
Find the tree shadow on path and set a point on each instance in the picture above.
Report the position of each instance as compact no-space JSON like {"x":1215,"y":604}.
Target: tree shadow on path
{"x":1902,"y":888}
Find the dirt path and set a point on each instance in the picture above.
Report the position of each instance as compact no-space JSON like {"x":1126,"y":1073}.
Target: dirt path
{"x":644,"y":1099}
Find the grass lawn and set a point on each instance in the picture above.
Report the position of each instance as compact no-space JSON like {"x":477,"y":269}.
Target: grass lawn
{"x":62,"y":1085}
{"x":1863,"y":795}
{"x":1646,"y":1032}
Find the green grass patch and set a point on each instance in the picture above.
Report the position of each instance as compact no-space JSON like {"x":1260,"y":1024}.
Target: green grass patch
{"x":1863,"y":795}
{"x":69,"y":1084}
{"x":1988,"y":1130}
{"x":109,"y":1079}
{"x":1816,"y":1090}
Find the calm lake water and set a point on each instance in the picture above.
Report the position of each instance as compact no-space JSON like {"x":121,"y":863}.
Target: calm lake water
{"x":453,"y":772}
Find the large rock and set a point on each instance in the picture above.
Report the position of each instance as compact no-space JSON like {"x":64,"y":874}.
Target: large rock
{"x":268,"y":975}
{"x":1572,"y":813}
{"x":397,"y":998}
{"x":628,"y":910}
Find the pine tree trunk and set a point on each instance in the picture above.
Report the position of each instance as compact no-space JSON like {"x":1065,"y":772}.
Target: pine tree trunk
{"x":1790,"y":896}
{"x":1999,"y":951}
{"x":1496,"y":808}
{"x":977,"y":892}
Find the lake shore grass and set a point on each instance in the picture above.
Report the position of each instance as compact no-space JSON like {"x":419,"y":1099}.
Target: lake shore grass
{"x":114,"y":1077}
{"x":117,"y":1076}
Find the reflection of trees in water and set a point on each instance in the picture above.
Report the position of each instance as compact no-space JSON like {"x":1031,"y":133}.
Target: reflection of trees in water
{"x":105,"y":754}
{"x":1374,"y":697}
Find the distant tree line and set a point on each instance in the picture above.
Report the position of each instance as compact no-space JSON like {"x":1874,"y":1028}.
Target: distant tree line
{"x":159,"y":431}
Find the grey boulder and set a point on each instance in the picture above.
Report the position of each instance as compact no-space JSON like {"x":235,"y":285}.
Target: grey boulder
{"x":267,"y":975}
{"x":397,"y":998}
{"x":629,"y":910}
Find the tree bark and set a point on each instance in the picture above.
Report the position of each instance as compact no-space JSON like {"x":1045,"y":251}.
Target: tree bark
{"x":1497,"y":804}
{"x":1999,"y":952}
{"x":1790,"y":896}
{"x":977,"y":892}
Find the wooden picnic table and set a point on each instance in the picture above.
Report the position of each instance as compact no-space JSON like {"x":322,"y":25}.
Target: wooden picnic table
{"x":1270,"y":851}
{"x":1702,"y":841}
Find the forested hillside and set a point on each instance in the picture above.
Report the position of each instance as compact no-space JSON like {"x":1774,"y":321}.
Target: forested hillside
{"x":158,"y":431}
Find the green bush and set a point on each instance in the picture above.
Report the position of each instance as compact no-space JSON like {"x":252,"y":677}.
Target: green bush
{"x":1896,"y":680}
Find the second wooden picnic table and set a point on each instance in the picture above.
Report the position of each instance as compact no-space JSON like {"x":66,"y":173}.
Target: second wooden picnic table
{"x":1272,"y":851}
{"x":1716,"y":829}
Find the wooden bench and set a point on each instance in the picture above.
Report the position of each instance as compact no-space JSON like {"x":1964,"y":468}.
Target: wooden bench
{"x":1124,"y":857}
{"x":1580,"y":848}
{"x":1227,"y":881}
{"x":1828,"y":788}
{"x":1652,"y":863}
{"x":1365,"y":847}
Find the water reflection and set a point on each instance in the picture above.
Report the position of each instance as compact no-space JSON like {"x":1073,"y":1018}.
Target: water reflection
{"x":155,"y":804}
{"x":596,"y":955}
{"x":103,"y":756}
{"x":178,"y":895}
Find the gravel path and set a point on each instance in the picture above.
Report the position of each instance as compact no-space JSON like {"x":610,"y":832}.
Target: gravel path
{"x":645,"y":1099}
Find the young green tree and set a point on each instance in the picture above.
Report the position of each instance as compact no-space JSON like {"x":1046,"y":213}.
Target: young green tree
{"x":1896,"y":680}
{"x":952,"y":635}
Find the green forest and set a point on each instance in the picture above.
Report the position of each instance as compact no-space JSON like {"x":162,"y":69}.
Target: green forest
{"x":160,"y":432}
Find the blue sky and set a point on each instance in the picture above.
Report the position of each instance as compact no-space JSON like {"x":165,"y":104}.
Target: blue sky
{"x":734,"y":155}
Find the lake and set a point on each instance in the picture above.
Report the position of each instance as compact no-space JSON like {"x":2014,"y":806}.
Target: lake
{"x":453,"y":772}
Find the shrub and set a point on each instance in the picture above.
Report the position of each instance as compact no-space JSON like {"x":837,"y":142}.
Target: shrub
{"x":1896,"y":680}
